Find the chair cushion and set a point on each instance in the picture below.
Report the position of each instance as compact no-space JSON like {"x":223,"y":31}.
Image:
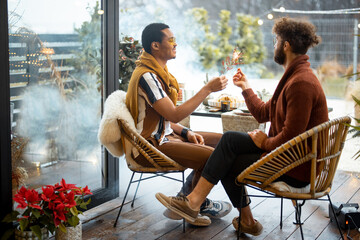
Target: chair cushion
{"x":284,"y":187}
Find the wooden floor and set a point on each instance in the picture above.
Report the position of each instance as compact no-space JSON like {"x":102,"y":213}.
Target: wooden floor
{"x":146,"y":221}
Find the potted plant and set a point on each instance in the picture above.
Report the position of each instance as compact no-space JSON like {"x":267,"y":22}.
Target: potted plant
{"x":129,"y":51}
{"x":53,"y":209}
{"x":264,"y":95}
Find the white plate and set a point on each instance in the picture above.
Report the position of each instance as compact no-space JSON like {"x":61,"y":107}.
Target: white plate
{"x":214,"y":103}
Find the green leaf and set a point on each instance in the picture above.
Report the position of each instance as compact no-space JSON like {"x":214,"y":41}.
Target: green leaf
{"x":37,"y":230}
{"x":84,"y":204}
{"x":74,"y":211}
{"x":23,"y":224}
{"x":356,"y":100}
{"x":73,"y":221}
{"x":36,"y":213}
{"x":11,"y":217}
{"x":62,"y":227}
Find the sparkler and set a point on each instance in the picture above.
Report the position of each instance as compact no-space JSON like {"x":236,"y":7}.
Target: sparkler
{"x":235,"y":60}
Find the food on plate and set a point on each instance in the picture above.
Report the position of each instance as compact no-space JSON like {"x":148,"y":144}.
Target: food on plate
{"x":235,"y":102}
{"x":227,"y":97}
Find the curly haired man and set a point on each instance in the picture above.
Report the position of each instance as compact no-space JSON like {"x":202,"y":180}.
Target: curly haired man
{"x":297,"y":105}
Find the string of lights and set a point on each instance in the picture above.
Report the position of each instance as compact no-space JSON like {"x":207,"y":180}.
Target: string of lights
{"x":337,"y":11}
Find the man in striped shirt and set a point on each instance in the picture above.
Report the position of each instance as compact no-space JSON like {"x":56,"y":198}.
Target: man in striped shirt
{"x":151,"y":99}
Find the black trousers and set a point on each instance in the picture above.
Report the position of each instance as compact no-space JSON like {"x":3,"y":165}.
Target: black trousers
{"x":234,"y":153}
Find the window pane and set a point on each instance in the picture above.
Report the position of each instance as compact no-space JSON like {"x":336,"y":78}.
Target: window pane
{"x":56,"y":90}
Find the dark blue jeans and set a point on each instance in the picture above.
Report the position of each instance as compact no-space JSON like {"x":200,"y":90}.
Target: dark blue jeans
{"x":234,"y":153}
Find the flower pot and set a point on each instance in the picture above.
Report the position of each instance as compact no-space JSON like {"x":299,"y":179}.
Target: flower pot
{"x":29,"y":235}
{"x":72,"y":233}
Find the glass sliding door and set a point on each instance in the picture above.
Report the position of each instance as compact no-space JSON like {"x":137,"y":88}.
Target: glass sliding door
{"x":56,"y":62}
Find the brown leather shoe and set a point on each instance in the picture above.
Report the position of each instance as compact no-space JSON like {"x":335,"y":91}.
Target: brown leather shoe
{"x":179,"y":205}
{"x":255,"y":230}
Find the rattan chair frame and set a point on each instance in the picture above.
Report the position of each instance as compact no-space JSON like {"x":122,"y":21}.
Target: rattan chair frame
{"x":159,"y":163}
{"x":321,"y":145}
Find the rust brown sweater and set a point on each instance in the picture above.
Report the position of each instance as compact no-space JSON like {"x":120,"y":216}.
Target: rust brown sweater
{"x":298,"y":104}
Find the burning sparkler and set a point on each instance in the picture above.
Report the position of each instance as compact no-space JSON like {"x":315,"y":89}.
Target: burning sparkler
{"x":235,"y":60}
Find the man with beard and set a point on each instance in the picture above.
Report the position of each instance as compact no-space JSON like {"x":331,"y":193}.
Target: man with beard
{"x":151,"y":100}
{"x":298,"y":104}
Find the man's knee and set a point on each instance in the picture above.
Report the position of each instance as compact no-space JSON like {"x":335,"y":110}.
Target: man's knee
{"x":232,"y":136}
{"x":227,"y":136}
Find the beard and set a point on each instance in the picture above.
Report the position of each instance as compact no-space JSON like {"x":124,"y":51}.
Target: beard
{"x":279,"y":54}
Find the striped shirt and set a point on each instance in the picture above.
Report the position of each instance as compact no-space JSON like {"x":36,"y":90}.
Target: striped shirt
{"x":151,"y":123}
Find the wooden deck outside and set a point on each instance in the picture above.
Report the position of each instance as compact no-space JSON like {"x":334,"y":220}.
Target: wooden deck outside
{"x":146,"y":221}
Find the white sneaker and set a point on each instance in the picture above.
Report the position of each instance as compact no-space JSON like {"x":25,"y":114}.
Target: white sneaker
{"x":215,"y":209}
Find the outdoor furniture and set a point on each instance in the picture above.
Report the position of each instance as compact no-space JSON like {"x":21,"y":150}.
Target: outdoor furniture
{"x":153,"y":161}
{"x":118,"y":133}
{"x":321,"y":145}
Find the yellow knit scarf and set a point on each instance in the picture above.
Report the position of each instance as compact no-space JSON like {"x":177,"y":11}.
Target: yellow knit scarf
{"x":148,"y":63}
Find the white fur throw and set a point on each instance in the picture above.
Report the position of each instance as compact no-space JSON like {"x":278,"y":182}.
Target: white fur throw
{"x":284,"y":187}
{"x":109,"y":131}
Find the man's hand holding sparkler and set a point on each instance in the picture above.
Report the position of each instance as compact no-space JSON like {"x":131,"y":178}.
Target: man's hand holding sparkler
{"x":217,"y":84}
{"x":240,"y":80}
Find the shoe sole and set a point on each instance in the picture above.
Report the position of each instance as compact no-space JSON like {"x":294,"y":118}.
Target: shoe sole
{"x":187,"y":217}
{"x":197,"y":224}
{"x":173,"y":216}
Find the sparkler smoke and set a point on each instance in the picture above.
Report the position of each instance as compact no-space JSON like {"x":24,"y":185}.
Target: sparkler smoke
{"x":71,"y":123}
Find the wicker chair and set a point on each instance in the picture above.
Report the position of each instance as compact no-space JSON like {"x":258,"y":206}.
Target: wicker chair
{"x":155,"y":162}
{"x":321,"y":145}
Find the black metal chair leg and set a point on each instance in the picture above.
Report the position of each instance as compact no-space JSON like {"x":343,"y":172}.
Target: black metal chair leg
{"x":239,"y":219}
{"x":132,"y":204}
{"x":122,"y":204}
{"x":337,"y":223}
{"x":298,"y":218}
{"x":183,"y":184}
{"x":281,"y":213}
{"x":298,"y":212}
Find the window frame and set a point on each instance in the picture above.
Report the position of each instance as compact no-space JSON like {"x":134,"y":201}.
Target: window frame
{"x":110,"y":43}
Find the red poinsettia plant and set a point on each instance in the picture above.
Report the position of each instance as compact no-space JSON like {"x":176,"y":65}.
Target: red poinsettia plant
{"x":57,"y":206}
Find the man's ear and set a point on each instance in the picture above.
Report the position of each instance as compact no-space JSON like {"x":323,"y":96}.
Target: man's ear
{"x":287,"y":46}
{"x":155,"y":45}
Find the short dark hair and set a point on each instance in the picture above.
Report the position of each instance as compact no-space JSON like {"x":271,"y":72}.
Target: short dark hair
{"x":152,"y":33}
{"x":299,"y":33}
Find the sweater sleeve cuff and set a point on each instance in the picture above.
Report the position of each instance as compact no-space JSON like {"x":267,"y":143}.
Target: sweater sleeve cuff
{"x":263,"y":145}
{"x":266,"y":145}
{"x":247,"y":93}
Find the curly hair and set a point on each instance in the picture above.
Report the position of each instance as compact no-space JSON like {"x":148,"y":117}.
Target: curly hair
{"x":300,"y":34}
